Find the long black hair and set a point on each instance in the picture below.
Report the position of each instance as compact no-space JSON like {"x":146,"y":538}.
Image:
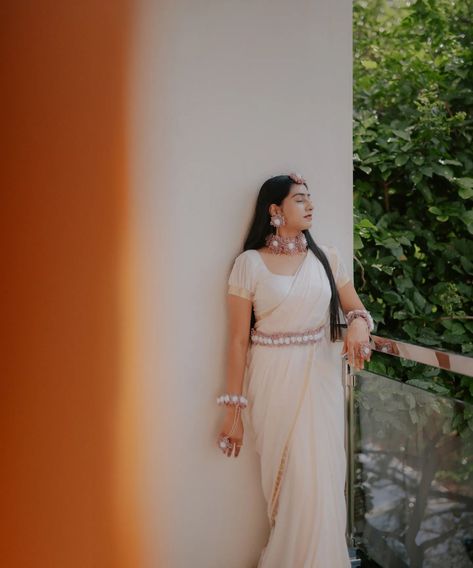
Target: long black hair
{"x":275,"y":190}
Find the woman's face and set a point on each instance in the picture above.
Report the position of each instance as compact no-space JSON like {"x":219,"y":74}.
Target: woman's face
{"x":296,"y":207}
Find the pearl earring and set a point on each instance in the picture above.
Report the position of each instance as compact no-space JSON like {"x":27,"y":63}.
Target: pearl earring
{"x":277,"y":220}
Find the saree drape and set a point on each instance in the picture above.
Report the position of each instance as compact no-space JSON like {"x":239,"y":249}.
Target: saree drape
{"x":296,"y":412}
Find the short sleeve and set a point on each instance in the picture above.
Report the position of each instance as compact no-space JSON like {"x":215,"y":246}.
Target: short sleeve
{"x":241,"y":281}
{"x":340,"y":272}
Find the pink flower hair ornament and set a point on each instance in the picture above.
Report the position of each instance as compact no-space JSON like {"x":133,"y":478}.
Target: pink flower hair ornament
{"x":297,"y":178}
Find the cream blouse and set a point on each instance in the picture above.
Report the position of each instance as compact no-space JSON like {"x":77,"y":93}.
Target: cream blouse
{"x":251,"y":279}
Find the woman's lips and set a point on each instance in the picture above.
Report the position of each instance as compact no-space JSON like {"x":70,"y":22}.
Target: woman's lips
{"x":308,"y":217}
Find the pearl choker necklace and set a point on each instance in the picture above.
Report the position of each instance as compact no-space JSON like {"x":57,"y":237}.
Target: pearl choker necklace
{"x":286,"y":245}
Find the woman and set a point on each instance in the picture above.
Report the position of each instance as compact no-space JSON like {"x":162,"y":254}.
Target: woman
{"x":284,"y":296}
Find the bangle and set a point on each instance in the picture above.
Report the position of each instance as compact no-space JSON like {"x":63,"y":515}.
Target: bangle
{"x":232,"y":399}
{"x":352,"y":314}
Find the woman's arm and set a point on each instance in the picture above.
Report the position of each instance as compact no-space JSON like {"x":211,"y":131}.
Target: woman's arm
{"x":349,"y":299}
{"x":239,"y":318}
{"x":358,"y":331}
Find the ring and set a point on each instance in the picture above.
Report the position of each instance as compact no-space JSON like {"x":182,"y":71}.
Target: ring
{"x":364,"y":350}
{"x":224,"y":443}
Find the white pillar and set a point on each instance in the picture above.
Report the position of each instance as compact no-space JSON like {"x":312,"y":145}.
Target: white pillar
{"x":224,"y":95}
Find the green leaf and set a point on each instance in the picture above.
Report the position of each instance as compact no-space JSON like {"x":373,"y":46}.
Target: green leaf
{"x":467,"y":218}
{"x":411,"y":329}
{"x":453,"y":327}
{"x":401,"y":159}
{"x":467,"y":264}
{"x":454,"y":338}
{"x":466,"y":187}
{"x":443,"y":171}
{"x":400,"y":315}
{"x":427,"y":385}
{"x":427,"y":340}
{"x":357,"y":242}
{"x":430,"y":372}
{"x":465,"y":182}
{"x":427,"y":171}
{"x":392,"y":297}
{"x":402,"y":134}
{"x":469,"y":326}
{"x":410,"y":306}
{"x":369,"y":64}
{"x":465,"y":193}
{"x":368,"y":224}
{"x":419,"y":299}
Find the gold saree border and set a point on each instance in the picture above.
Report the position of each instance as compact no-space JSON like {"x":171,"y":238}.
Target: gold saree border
{"x":274,"y":501}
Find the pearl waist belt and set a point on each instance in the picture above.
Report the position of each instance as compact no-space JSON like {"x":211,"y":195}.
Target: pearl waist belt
{"x":277,"y":339}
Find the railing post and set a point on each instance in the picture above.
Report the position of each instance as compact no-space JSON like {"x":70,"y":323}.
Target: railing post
{"x":349,"y":383}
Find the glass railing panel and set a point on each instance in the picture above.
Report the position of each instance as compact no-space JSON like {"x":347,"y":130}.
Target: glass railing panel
{"x":413,"y":466}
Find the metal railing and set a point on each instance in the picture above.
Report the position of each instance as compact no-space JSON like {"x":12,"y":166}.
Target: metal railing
{"x":397,"y":437}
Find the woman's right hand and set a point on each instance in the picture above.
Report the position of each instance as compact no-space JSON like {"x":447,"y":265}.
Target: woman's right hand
{"x":236,"y":439}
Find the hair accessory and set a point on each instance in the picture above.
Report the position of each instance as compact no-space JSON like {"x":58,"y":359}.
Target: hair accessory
{"x":297,"y":178}
{"x":277,"y":220}
{"x":286,"y":245}
{"x":352,"y":314}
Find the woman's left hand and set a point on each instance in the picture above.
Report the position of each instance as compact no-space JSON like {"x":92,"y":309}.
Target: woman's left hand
{"x":357,"y":335}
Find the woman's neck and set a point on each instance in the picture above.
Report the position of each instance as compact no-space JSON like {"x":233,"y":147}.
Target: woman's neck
{"x":289,"y":233}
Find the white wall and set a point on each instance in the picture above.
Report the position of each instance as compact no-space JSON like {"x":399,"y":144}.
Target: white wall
{"x":224,"y":94}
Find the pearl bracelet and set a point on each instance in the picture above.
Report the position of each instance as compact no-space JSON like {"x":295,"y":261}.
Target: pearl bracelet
{"x":232,"y":399}
{"x":352,"y":314}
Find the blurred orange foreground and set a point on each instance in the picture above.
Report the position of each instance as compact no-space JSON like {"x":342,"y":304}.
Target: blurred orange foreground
{"x":69,"y":457}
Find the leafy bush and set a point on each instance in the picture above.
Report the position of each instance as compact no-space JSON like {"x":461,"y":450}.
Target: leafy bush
{"x":413,"y":178}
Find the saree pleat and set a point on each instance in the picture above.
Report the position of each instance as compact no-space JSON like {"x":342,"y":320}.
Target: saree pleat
{"x":296,"y":413}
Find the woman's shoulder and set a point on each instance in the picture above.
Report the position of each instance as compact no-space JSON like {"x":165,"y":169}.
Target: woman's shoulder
{"x":247,"y":255}
{"x":248,"y":260}
{"x":326,"y":247}
{"x":244,"y":275}
{"x":331,"y":252}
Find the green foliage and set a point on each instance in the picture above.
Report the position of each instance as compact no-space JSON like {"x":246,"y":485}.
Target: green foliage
{"x":413,"y":178}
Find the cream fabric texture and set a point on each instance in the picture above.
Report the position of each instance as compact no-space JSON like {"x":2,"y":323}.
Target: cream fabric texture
{"x":295,"y":412}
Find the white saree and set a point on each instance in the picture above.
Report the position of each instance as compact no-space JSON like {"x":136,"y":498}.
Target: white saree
{"x":296,"y":412}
